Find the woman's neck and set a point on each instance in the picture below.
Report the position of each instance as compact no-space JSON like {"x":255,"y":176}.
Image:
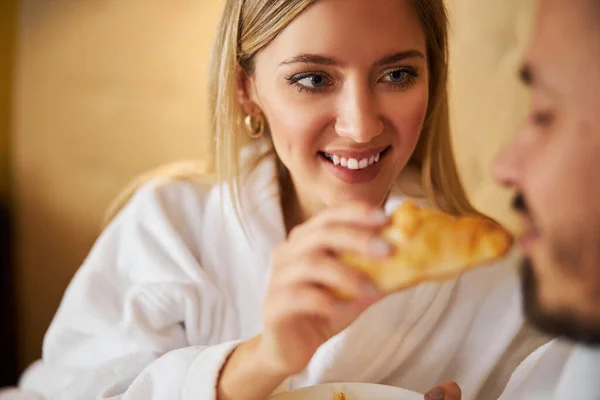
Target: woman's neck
{"x":295,"y":211}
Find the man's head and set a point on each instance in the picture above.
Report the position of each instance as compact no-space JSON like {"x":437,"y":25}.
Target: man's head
{"x":554,"y":165}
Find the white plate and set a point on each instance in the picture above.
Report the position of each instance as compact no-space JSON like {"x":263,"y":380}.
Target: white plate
{"x":352,"y":390}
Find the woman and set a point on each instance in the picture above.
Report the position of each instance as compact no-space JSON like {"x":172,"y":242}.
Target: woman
{"x":225,"y":292}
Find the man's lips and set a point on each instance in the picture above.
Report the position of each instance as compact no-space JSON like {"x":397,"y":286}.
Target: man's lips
{"x":531,"y":232}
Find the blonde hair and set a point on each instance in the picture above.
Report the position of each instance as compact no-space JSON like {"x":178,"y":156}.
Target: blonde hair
{"x":247,"y":26}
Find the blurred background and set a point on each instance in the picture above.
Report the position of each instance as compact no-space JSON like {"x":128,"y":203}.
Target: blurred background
{"x":95,"y":92}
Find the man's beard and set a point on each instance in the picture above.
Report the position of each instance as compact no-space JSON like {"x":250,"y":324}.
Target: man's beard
{"x":561,"y":323}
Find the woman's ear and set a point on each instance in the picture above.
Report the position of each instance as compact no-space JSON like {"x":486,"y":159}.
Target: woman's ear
{"x":245,"y":93}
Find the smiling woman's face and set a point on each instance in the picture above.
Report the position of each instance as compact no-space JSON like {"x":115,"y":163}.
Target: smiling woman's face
{"x":344,"y":89}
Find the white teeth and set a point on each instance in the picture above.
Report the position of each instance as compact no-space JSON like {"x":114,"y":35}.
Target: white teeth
{"x":353,"y":163}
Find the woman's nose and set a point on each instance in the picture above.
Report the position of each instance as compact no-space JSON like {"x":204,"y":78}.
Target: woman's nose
{"x":359,"y":117}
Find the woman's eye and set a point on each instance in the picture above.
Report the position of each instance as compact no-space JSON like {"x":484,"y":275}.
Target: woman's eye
{"x":397,"y":76}
{"x":400,"y":78}
{"x":312,"y":81}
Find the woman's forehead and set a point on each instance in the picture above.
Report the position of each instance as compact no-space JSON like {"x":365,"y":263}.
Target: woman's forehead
{"x":351,"y":30}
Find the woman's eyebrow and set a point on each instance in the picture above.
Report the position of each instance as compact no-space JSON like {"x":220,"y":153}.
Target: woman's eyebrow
{"x":307,"y":58}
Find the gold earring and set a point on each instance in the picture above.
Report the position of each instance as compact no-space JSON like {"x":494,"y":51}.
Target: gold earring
{"x":255,"y":126}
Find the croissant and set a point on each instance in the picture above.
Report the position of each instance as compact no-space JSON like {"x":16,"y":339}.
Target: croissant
{"x":431,"y":245}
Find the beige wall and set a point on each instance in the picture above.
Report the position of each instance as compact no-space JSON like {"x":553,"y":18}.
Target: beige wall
{"x":105,"y":90}
{"x":108,"y":89}
{"x":488,"y":38}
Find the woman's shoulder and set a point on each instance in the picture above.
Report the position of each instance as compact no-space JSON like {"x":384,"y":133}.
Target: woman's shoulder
{"x":178,"y":191}
{"x":160,"y":232}
{"x":179,"y":200}
{"x":188,"y":186}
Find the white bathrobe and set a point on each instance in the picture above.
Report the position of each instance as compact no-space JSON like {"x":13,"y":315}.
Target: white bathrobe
{"x":173,"y":285}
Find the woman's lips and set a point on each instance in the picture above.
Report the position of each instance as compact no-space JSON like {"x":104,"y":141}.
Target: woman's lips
{"x":355,"y":167}
{"x":354,"y":159}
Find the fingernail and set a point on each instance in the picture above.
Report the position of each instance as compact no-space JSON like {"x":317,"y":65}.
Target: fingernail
{"x":435,"y":394}
{"x":380,"y":248}
{"x":379,"y":217}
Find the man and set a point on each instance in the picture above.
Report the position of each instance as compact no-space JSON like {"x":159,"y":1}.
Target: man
{"x":554,"y":166}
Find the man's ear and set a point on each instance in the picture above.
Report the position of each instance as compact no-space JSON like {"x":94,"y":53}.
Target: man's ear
{"x":246,"y":92}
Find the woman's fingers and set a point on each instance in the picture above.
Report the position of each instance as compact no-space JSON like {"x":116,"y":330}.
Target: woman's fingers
{"x":313,"y":301}
{"x":356,"y":214}
{"x":331,"y":274}
{"x":309,"y":300}
{"x":337,"y":239}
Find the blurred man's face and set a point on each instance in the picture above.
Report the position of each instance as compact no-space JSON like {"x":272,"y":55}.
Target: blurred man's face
{"x":554,"y":165}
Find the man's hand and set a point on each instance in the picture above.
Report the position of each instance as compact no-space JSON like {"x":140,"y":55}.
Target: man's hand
{"x":444,"y":391}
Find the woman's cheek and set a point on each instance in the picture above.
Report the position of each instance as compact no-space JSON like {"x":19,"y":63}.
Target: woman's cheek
{"x":299,"y":124}
{"x":407,"y":116}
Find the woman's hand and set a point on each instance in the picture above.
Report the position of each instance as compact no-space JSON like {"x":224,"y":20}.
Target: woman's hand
{"x":301,"y":310}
